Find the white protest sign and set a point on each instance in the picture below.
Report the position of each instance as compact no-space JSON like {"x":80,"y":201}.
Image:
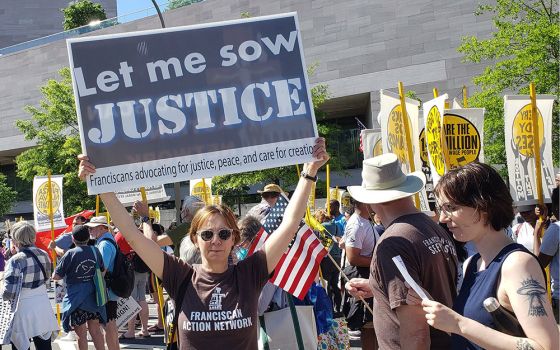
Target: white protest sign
{"x":127,"y":308}
{"x":411,"y":282}
{"x":393,"y":134}
{"x":154,"y":194}
{"x":371,"y":142}
{"x":181,"y":103}
{"x":41,"y":203}
{"x":520,"y":147}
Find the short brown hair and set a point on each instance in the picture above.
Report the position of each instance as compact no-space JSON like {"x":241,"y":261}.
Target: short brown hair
{"x":203,"y":214}
{"x":479,"y":186}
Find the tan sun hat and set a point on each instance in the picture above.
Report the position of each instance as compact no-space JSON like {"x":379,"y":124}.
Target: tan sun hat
{"x":271,"y":188}
{"x":384,"y":181}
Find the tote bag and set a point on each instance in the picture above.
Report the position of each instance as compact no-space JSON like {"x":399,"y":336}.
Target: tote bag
{"x":278,"y":331}
{"x":99,"y":281}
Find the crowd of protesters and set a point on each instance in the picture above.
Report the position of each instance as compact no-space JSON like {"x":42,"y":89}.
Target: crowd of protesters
{"x":479,"y":249}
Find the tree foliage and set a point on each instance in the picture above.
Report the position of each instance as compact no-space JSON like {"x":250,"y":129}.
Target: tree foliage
{"x":173,"y":4}
{"x":54,"y":128}
{"x":524,"y":48}
{"x":82,"y":12}
{"x":7,"y":194}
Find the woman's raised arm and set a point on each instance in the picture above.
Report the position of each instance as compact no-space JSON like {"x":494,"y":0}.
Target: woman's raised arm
{"x":147,"y":249}
{"x":277,"y":243}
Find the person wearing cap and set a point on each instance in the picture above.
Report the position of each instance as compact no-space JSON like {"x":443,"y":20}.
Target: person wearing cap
{"x":64,"y":242}
{"x":105,"y":242}
{"x":79,"y":306}
{"x":219,"y":300}
{"x":269,"y":194}
{"x":476,"y":206}
{"x":425,"y":248}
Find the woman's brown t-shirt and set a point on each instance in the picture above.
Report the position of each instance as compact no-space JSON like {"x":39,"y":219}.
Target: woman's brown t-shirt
{"x":219,"y":310}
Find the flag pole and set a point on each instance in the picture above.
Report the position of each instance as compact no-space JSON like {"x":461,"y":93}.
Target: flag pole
{"x":465,"y":99}
{"x":407,"y":132}
{"x":51,"y":219}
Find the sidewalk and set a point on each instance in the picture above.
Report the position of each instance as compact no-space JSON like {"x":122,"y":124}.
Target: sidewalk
{"x":154,"y":342}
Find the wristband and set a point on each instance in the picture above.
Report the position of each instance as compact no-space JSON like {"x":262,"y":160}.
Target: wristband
{"x":308,"y":177}
{"x":145,"y":219}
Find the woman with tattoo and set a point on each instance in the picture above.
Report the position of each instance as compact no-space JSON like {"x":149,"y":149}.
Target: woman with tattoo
{"x":476,"y":205}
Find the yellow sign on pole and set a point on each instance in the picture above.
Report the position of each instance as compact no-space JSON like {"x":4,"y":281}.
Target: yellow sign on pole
{"x":408,"y":137}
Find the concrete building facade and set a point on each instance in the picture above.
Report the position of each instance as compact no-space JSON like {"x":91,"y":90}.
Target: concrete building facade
{"x":359,"y":46}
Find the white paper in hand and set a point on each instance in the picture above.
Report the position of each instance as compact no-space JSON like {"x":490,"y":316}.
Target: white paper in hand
{"x":400,"y":265}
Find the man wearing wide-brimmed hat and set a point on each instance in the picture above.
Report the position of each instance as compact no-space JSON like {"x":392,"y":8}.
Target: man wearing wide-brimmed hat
{"x":425,"y":248}
{"x":269,"y":194}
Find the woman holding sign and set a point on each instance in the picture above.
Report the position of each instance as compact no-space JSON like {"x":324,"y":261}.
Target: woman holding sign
{"x":476,"y":205}
{"x":219,"y":301}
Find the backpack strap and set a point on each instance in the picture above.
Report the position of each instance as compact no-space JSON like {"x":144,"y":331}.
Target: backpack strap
{"x":30,"y":253}
{"x":295,"y":320}
{"x":110,"y":241}
{"x":178,"y":303}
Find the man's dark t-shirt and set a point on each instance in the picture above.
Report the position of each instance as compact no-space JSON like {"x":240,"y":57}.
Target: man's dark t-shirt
{"x":219,"y":310}
{"x":429,"y":256}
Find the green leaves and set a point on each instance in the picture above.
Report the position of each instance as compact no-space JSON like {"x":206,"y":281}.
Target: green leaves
{"x":81,"y":13}
{"x":54,"y":128}
{"x":7,"y":194}
{"x":524,"y":48}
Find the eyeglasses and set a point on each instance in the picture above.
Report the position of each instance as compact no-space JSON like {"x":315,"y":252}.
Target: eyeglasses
{"x":446,"y":208}
{"x":224,"y":234}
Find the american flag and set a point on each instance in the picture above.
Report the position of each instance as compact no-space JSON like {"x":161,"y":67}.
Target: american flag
{"x":298,"y":267}
{"x":361,"y":127}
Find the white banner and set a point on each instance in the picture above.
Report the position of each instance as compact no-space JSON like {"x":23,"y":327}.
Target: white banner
{"x":41,"y":203}
{"x":433,"y":112}
{"x":371,"y":142}
{"x":127,"y":308}
{"x":393,"y":134}
{"x":520,"y":147}
{"x":155,"y":194}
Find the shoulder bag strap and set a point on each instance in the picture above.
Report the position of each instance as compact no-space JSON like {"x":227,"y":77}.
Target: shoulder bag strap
{"x":28,"y":252}
{"x":295,"y":320}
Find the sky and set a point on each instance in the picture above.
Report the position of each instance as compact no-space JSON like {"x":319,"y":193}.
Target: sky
{"x":125,"y":7}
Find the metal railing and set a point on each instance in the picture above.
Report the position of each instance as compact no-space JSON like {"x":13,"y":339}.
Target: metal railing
{"x":110,"y":22}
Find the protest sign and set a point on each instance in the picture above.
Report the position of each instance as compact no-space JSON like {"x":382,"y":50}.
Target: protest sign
{"x":464,"y":135}
{"x":175,"y":104}
{"x":202,"y":189}
{"x":41,"y":202}
{"x":371,"y":142}
{"x":154,"y":194}
{"x":429,"y":188}
{"x":127,"y":308}
{"x":433,"y":113}
{"x":520,"y":145}
{"x":393,"y":133}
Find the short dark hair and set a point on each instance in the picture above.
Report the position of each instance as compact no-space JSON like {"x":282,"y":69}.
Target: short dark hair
{"x":479,"y":186}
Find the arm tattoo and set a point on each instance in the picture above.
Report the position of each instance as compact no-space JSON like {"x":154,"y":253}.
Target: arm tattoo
{"x":535,"y":293}
{"x":523,"y":344}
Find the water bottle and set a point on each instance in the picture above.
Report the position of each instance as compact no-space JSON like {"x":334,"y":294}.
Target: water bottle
{"x":504,"y":320}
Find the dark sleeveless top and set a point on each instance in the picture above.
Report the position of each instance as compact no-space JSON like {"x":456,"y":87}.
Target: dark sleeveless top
{"x":477,"y":286}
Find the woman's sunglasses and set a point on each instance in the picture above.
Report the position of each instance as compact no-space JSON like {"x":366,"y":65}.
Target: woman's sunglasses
{"x":224,"y":234}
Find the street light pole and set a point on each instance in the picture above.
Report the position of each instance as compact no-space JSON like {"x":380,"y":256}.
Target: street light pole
{"x":159,"y":13}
